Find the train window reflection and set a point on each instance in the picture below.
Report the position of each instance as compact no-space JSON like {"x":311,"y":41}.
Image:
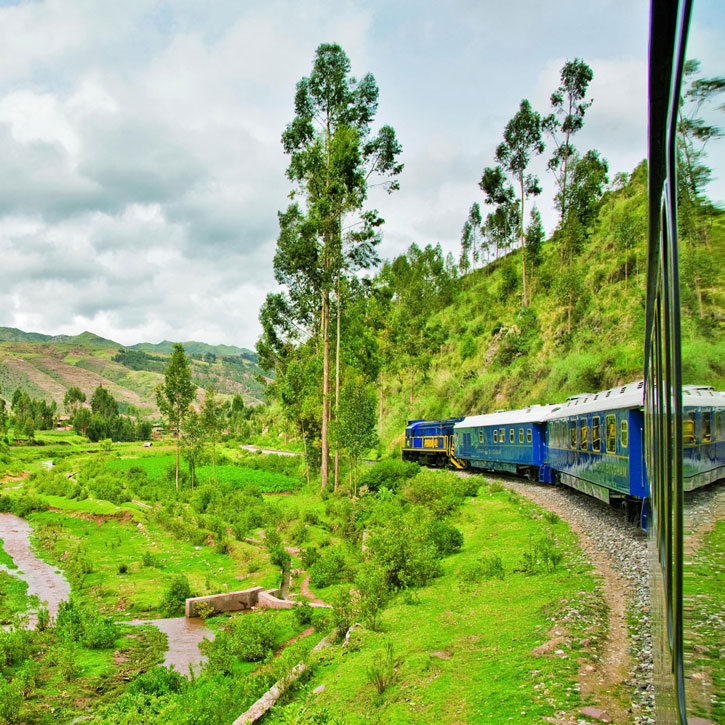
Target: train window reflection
{"x":528,"y":435}
{"x":521,"y":435}
{"x":596,"y":434}
{"x":624,"y":434}
{"x":718,"y":435}
{"x":583,"y":435}
{"x":511,"y":435}
{"x":688,"y":429}
{"x":495,"y":435}
{"x":501,"y":435}
{"x":706,"y":426}
{"x":572,"y":436}
{"x":611,"y":424}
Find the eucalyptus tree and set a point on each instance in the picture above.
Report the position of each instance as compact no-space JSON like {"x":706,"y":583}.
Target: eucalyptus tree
{"x":175,"y":394}
{"x":502,"y":223}
{"x":212,"y":421}
{"x":334,"y":158}
{"x":694,"y":132}
{"x":464,"y":262}
{"x":521,"y":140}
{"x":73,"y":399}
{"x":570,"y":106}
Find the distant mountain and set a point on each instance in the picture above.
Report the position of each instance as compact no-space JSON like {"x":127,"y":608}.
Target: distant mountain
{"x":196,"y":348}
{"x":12,"y":334}
{"x":87,"y":339}
{"x":45,"y":366}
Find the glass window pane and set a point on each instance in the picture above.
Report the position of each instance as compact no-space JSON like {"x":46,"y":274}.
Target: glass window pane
{"x":611,"y":423}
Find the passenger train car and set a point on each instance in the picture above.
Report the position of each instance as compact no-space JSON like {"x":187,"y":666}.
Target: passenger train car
{"x":593,"y":442}
{"x":508,"y":441}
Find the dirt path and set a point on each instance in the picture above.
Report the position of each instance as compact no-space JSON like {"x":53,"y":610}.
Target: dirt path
{"x":20,"y":480}
{"x":597,"y":682}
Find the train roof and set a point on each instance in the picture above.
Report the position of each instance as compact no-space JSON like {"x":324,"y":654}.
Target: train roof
{"x":626,"y":396}
{"x":532,"y":414}
{"x":702,"y":396}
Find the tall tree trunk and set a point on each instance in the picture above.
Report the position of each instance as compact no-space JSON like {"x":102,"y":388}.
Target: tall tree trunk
{"x":324,"y":467}
{"x":337,"y":381}
{"x":523,"y":241}
{"x":380,"y":422}
{"x":570,"y":305}
{"x":307,"y":461}
{"x":177,"y":458}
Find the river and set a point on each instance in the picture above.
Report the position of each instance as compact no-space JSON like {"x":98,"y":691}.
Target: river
{"x":51,"y":587}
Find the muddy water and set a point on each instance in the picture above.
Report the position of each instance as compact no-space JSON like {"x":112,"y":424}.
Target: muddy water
{"x":51,"y":587}
{"x":43,"y":579}
{"x":184,"y":636}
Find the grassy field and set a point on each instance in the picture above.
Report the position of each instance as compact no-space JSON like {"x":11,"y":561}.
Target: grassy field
{"x":463,"y":634}
{"x":463,"y":647}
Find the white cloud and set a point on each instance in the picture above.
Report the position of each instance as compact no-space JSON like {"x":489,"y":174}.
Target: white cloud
{"x":140,"y":141}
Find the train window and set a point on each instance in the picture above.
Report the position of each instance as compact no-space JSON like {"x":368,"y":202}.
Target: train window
{"x":562,"y":434}
{"x":611,"y":426}
{"x":528,"y":435}
{"x":480,"y":436}
{"x":572,"y":435}
{"x":624,"y":433}
{"x":511,"y":435}
{"x":596,"y":434}
{"x":706,"y":426}
{"x":688,"y":430}
{"x":501,"y":435}
{"x":717,"y":433}
{"x":521,"y":435}
{"x":495,"y":435}
{"x":583,"y":434}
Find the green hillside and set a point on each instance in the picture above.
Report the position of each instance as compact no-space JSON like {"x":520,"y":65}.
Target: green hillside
{"x":194,"y":349}
{"x":429,"y":342}
{"x":495,"y":353}
{"x":46,"y":368}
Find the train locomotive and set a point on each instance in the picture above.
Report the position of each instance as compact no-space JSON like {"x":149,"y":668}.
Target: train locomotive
{"x":593,"y":442}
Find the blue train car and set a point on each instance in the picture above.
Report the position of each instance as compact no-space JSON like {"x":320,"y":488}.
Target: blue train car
{"x":594,"y":443}
{"x":703,"y":455}
{"x":430,"y":442}
{"x":511,"y":441}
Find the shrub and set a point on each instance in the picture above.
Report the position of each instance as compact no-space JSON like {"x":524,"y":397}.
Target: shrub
{"x":11,"y":698}
{"x":390,"y":473}
{"x":303,"y":614}
{"x":250,"y":637}
{"x":373,"y":594}
{"x":327,"y":569}
{"x":99,"y":633}
{"x":176,"y":595}
{"x":446,"y":538}
{"x":69,"y":621}
{"x":123,"y":568}
{"x":542,"y":555}
{"x":158,"y":681}
{"x":150,"y":559}
{"x":403,"y":553}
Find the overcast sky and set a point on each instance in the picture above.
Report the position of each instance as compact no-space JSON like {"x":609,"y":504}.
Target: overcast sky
{"x":141,"y":168}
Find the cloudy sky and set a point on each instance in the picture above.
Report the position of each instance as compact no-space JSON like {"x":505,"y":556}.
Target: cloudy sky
{"x":141,"y":169}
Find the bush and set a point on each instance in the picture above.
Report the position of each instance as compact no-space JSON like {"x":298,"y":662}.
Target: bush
{"x":123,"y":568}
{"x":249,"y":637}
{"x":69,"y":621}
{"x":158,"y":681}
{"x":327,"y":569}
{"x":303,"y":614}
{"x":541,"y":556}
{"x":389,"y":473}
{"x":11,"y":698}
{"x":446,"y":538}
{"x":176,"y":595}
{"x":99,"y":633}
{"x":474,"y":572}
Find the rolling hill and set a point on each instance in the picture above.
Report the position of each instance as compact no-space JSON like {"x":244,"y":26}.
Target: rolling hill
{"x":45,"y":366}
